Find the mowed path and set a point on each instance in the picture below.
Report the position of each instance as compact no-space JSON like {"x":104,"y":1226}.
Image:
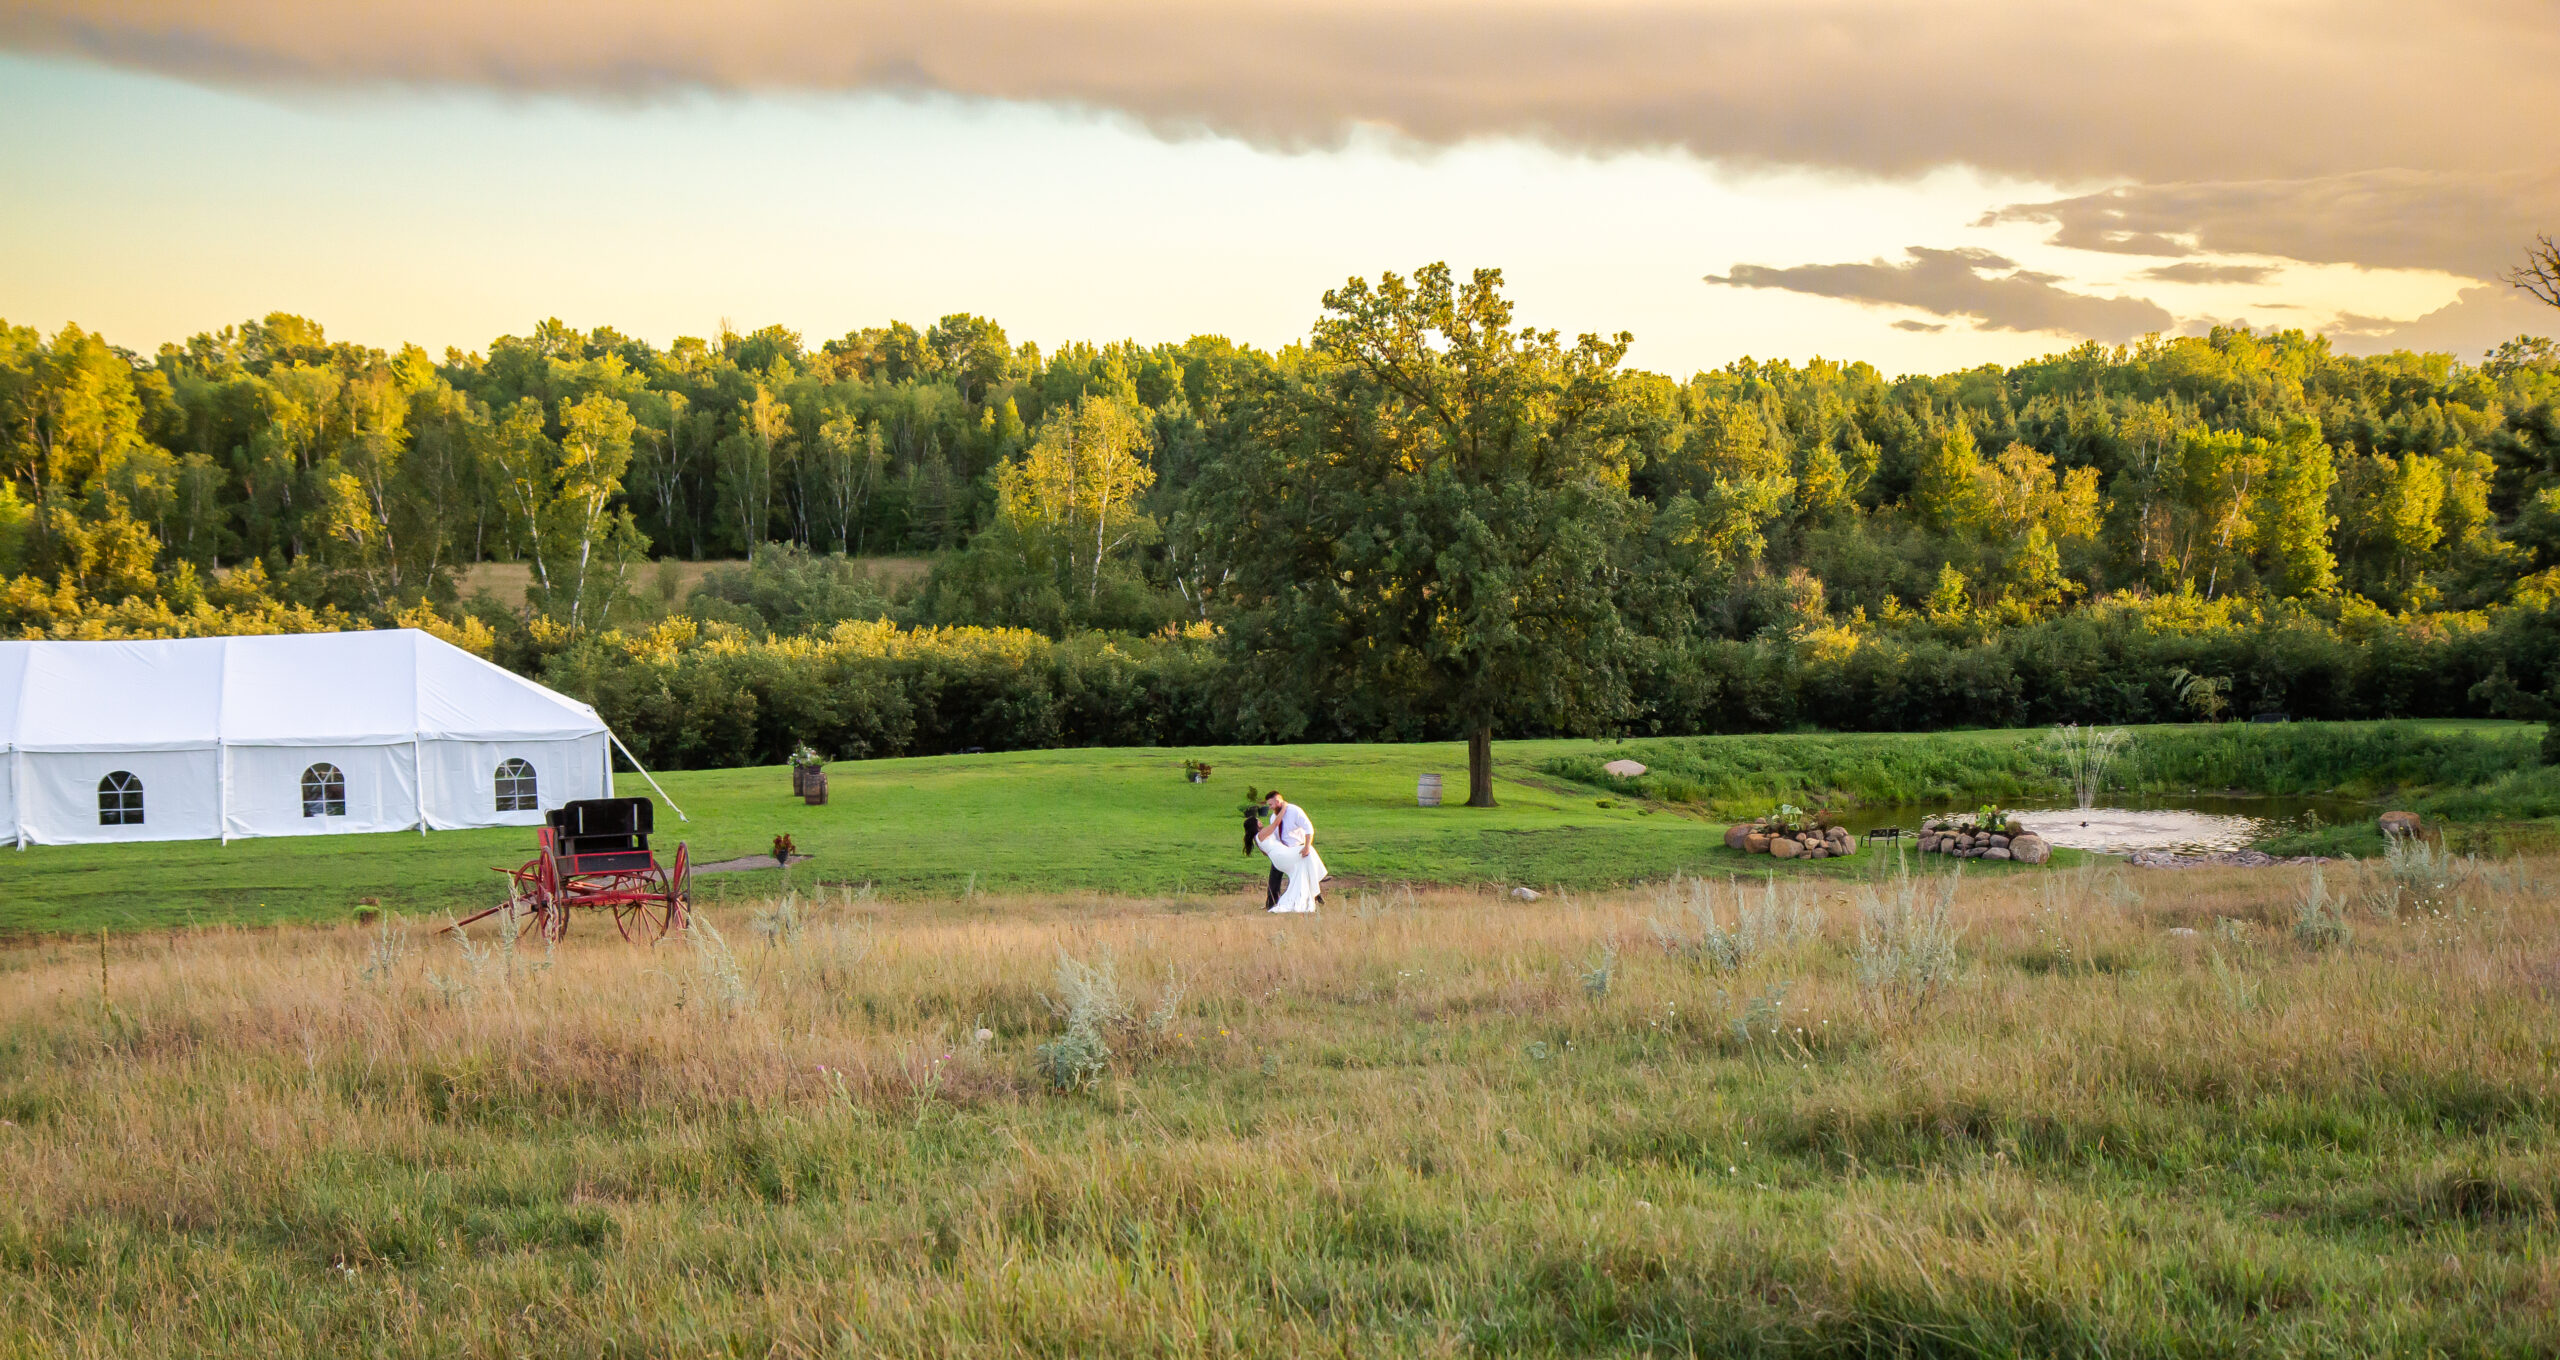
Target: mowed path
{"x":1119,"y":822}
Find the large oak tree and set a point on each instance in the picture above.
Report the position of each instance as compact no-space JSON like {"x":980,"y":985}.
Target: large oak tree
{"x":1424,"y":534}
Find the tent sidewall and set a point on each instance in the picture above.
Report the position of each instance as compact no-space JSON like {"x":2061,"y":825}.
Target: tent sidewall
{"x":461,"y":778}
{"x":181,"y":795}
{"x":265,"y":795}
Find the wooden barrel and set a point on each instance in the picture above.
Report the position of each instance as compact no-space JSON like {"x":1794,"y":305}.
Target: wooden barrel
{"x":1426,"y":790}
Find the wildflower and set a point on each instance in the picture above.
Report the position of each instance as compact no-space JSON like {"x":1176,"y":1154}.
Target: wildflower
{"x":984,"y":1034}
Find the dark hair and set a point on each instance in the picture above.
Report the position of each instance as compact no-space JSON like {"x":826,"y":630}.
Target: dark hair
{"x":1275,"y":793}
{"x":1252,"y":829}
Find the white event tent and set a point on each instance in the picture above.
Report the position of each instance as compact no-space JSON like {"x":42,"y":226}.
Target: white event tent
{"x":304,"y":734}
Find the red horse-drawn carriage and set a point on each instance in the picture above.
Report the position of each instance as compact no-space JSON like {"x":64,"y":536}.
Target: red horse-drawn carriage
{"x":595,"y":853}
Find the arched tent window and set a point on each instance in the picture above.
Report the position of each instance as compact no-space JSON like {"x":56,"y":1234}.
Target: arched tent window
{"x":120,"y":800}
{"x":515,"y":786}
{"x":324,"y":791}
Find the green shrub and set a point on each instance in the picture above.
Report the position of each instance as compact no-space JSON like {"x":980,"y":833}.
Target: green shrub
{"x":1090,"y":1002}
{"x":2317,"y":922}
{"x":1907,"y":937}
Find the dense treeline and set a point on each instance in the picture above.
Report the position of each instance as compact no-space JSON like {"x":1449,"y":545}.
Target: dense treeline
{"x":2193,"y":526}
{"x":688,"y":694}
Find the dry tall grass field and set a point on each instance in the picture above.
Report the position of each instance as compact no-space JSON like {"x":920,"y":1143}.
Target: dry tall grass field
{"x":2024,"y":1116}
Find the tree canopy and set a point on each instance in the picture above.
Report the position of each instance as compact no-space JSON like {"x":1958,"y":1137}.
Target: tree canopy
{"x":1425,"y":520}
{"x":1427,"y":530}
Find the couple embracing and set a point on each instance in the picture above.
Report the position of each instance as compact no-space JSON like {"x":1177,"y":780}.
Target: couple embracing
{"x":1281,"y":831}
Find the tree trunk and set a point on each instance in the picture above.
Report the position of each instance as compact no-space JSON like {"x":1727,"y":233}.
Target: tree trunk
{"x":1480,"y":766}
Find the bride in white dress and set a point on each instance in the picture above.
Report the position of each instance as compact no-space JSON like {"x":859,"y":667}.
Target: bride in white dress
{"x":1300,"y":863}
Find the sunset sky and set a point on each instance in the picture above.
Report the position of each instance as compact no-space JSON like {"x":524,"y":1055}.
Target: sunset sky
{"x":1921,"y":186}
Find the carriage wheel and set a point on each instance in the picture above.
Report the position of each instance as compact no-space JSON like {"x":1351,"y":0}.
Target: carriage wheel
{"x":680,"y":887}
{"x":533,"y":909}
{"x":541,"y":916}
{"x":648,"y":921}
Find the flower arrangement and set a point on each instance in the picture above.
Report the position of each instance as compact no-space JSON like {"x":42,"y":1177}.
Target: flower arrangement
{"x":805,"y":758}
{"x":783,"y":849}
{"x":1197,"y":771}
{"x":1787,"y":820}
{"x":1989,"y":819}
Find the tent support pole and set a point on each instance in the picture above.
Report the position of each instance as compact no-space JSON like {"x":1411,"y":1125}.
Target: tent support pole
{"x":644,"y":772}
{"x":418,"y":778}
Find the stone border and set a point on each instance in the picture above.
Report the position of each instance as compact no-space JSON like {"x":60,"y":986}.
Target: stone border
{"x":2026,"y":847}
{"x":1754,"y":838}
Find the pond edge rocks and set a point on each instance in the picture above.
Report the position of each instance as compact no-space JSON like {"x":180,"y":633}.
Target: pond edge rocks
{"x":1811,"y":842}
{"x":2024,"y":847}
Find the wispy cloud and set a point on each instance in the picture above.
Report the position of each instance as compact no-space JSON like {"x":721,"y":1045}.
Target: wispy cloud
{"x":2474,"y":224}
{"x":2467,"y":327}
{"x":1989,"y":289}
{"x":2198,"y":271}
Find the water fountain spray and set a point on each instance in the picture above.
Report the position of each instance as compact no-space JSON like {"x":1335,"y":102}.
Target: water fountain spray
{"x":2086,"y":753}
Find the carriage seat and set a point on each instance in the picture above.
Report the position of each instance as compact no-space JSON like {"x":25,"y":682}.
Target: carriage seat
{"x":603,"y":835}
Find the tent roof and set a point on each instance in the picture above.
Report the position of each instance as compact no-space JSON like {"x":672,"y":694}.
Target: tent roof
{"x":300,"y":689}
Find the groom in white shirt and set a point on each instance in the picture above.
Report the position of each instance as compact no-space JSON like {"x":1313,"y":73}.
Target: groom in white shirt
{"x":1295,"y":830}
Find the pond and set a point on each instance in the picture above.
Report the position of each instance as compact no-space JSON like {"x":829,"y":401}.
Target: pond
{"x":2187,"y":825}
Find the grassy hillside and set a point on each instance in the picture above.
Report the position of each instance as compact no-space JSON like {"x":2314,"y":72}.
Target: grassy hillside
{"x":1735,"y":775}
{"x":1440,"y":1126}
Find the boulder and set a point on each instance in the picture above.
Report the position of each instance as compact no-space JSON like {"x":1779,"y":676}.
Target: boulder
{"x":1624,"y":769}
{"x":2029,"y":849}
{"x":1734,"y":834}
{"x":1998,"y":841}
{"x":1818,"y":850}
{"x":1755,"y":844}
{"x":1996,"y":852}
{"x":1846,"y":845}
{"x":1785,"y":847}
{"x":1525,"y":894}
{"x":2398,"y":823}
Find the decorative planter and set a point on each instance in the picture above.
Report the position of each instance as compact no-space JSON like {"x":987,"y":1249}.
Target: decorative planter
{"x":1426,"y":791}
{"x":813,"y":788}
{"x":1789,"y":842}
{"x":1198,"y":778}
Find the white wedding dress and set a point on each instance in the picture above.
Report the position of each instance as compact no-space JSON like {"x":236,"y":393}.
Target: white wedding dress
{"x":1305,"y":872}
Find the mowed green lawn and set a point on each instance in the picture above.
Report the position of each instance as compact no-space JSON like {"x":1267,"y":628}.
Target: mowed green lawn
{"x":1120,"y":822}
{"x":1124,"y":822}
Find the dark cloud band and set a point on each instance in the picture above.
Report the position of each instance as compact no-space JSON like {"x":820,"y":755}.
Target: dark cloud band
{"x":2138,"y":90}
{"x":2474,"y":224}
{"x":1988,"y":289}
